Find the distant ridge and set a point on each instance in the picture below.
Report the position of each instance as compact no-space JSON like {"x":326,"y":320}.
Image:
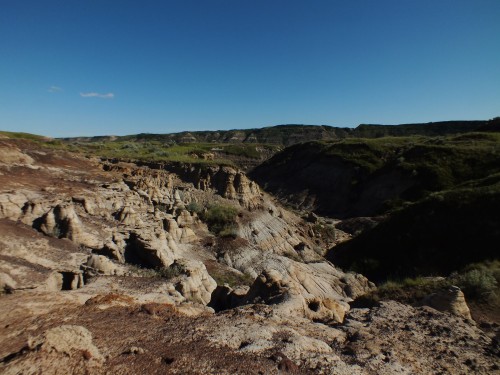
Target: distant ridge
{"x":290,"y":134}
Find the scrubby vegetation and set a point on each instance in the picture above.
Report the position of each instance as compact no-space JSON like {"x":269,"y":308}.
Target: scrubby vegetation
{"x":153,"y":150}
{"x":325,"y":231}
{"x":480,"y":283}
{"x":230,"y":278}
{"x":221,"y":219}
{"x":194,"y":208}
{"x":170,"y":272}
{"x":20,"y":135}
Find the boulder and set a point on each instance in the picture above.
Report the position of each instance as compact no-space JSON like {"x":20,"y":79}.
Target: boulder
{"x":288,"y":299}
{"x":129,"y":217}
{"x":451,"y":300}
{"x":151,"y":249}
{"x":11,"y":205}
{"x":195,"y":283}
{"x":104,"y":266}
{"x":68,"y":340}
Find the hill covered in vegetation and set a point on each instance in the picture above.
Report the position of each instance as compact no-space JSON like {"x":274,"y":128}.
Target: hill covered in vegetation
{"x":369,"y":176}
{"x":286,"y":135}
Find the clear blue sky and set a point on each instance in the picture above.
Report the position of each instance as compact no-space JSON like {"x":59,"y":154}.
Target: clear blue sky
{"x":93,"y":67}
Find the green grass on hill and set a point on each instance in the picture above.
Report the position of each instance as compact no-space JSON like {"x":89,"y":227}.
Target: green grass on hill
{"x":154,"y":150}
{"x":20,"y":135}
{"x":158,"y":151}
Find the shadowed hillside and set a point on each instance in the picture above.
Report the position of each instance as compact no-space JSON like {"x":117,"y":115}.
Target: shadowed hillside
{"x":365,"y":177}
{"x":435,"y":236}
{"x":286,"y":135}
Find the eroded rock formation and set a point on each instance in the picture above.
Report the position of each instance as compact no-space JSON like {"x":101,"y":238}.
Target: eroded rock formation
{"x":108,"y":269}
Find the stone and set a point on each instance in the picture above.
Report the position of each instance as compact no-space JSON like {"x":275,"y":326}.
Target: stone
{"x":195,"y":284}
{"x":287,"y":298}
{"x":451,"y":300}
{"x":63,"y":222}
{"x":104,"y":266}
{"x":70,"y":340}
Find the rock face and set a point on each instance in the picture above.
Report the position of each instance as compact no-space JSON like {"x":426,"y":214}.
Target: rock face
{"x":314,"y":176}
{"x":451,"y":300}
{"x":104,"y":265}
{"x":225,"y":181}
{"x":62,"y":221}
{"x":12,"y":156}
{"x":68,"y":340}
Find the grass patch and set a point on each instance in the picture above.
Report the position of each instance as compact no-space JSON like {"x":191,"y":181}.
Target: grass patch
{"x":325,"y":231}
{"x":20,"y":135}
{"x":153,"y":150}
{"x":230,"y":278}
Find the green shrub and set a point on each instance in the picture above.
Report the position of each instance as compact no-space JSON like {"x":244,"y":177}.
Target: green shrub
{"x":174,"y":270}
{"x":233,"y":279}
{"x":220,"y":219}
{"x":325,"y":231}
{"x":477,"y":283}
{"x":194,"y":207}
{"x":171,"y":271}
{"x":230,"y":232}
{"x":408,"y":290}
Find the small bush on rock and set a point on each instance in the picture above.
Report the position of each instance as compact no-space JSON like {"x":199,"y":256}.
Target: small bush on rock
{"x":171,"y":271}
{"x":221,"y":219}
{"x":194,"y":207}
{"x":477,"y":283}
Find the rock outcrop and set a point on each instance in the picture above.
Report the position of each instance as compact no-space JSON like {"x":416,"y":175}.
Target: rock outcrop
{"x":288,"y":299}
{"x":451,"y":300}
{"x":196,"y":284}
{"x":63,"y":222}
{"x":67,"y":347}
{"x":228,"y":182}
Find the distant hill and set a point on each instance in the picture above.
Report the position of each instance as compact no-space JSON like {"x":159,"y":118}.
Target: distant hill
{"x":286,"y":135}
{"x":429,"y":129}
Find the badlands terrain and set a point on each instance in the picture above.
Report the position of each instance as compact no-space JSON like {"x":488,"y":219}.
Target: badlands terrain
{"x":365,"y":251}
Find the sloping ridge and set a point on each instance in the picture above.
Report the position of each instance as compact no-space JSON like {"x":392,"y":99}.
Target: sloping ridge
{"x":435,"y":236}
{"x":366,"y":177}
{"x":290,"y":134}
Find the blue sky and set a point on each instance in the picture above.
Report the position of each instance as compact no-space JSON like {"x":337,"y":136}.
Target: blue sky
{"x":94,"y":67}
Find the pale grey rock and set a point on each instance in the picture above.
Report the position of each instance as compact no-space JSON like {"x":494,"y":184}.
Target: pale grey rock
{"x":195,"y":283}
{"x":104,"y":266}
{"x":70,"y":340}
{"x":451,"y":300}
